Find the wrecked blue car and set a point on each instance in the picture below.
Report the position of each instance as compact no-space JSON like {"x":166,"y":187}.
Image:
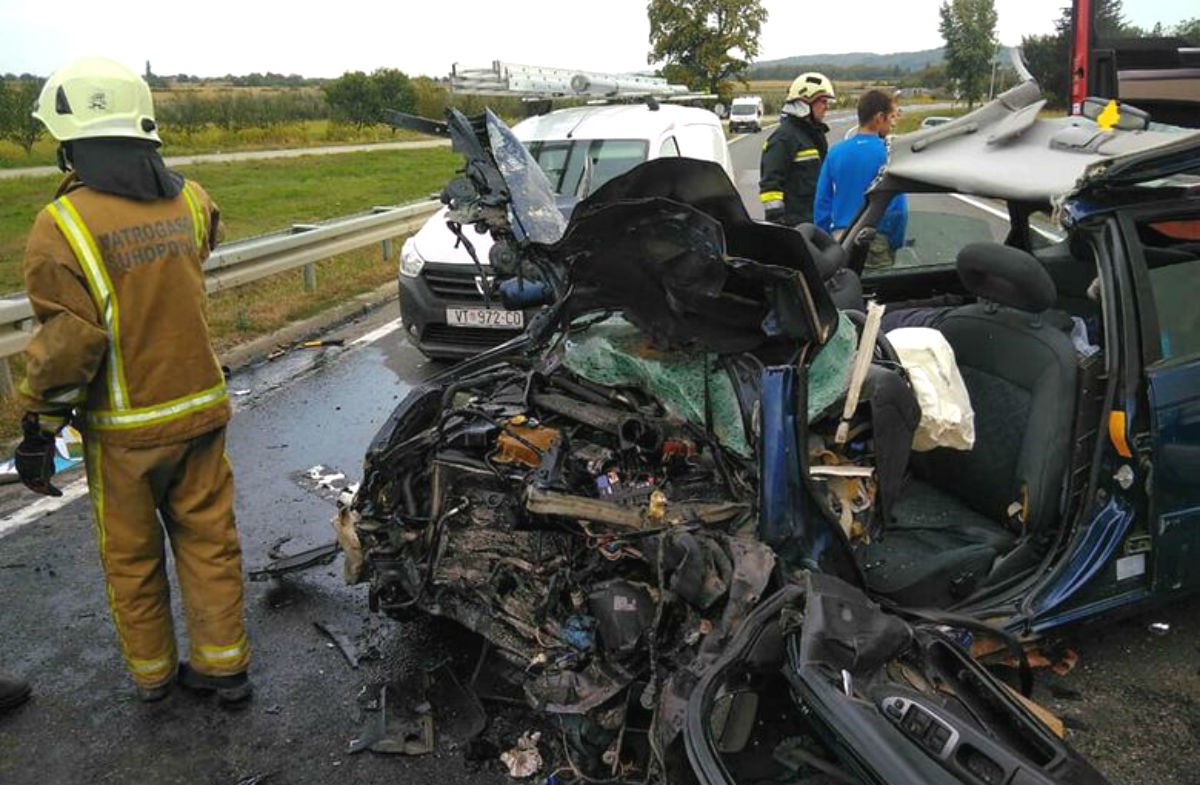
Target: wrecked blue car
{"x":697,"y":510}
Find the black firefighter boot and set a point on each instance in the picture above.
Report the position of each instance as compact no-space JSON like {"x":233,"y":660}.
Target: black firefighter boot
{"x":229,"y":689}
{"x":13,"y":692}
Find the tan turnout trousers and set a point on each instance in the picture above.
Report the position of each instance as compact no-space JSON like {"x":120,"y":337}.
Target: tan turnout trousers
{"x":190,"y":485}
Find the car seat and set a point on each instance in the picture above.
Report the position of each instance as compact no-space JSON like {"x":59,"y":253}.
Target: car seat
{"x":962,"y":510}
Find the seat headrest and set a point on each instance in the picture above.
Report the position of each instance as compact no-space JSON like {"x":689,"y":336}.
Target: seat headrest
{"x":1007,"y":276}
{"x":828,"y":256}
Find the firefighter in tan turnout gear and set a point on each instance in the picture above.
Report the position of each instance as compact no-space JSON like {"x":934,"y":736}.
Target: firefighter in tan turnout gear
{"x":112,"y":269}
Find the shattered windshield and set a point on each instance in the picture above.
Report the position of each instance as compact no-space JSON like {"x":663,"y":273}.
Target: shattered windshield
{"x":533,"y":208}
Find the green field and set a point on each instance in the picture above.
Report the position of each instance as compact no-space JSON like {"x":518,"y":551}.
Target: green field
{"x":257,"y":197}
{"x":311,"y":133}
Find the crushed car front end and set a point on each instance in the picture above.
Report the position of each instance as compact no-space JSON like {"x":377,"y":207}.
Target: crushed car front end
{"x":648,"y":506}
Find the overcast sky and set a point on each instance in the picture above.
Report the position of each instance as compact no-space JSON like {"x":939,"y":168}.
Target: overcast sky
{"x":217,"y":37}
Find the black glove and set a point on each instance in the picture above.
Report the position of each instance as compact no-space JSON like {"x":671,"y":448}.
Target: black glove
{"x":35,"y":456}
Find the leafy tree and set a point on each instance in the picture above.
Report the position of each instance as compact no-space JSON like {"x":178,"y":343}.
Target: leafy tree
{"x":395,"y":90}
{"x":1048,"y":59}
{"x":357,"y":98}
{"x":432,"y":97}
{"x":969,"y":30}
{"x":705,"y":43}
{"x":353,"y":98}
{"x":1188,"y":30}
{"x":1108,"y":21}
{"x":16,"y":103}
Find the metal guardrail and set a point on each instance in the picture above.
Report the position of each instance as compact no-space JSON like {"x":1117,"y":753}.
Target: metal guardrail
{"x":245,"y":261}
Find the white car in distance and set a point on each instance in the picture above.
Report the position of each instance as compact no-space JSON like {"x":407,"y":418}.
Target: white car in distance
{"x":441,"y":296}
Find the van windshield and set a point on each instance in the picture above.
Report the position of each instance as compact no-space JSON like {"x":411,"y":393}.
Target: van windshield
{"x":563,"y":161}
{"x":743,"y":109}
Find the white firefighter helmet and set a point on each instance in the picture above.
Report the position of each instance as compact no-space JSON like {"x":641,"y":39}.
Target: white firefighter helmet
{"x":96,"y":97}
{"x":809,"y":87}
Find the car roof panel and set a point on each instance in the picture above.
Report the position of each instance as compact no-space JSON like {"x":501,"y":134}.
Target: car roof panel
{"x":1048,"y":158}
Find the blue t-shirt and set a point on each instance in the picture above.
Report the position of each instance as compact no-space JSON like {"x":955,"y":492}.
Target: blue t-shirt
{"x":848,"y":170}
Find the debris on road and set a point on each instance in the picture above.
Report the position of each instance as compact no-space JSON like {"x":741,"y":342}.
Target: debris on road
{"x":283,"y":349}
{"x":327,"y":482}
{"x":339,"y":638}
{"x":256,"y":779}
{"x":393,"y":729}
{"x":1159,"y":628}
{"x":524,"y":759}
{"x":282,"y":565}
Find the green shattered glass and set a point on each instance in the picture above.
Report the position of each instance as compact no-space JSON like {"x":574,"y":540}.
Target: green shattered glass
{"x":614,"y":353}
{"x":829,"y":372}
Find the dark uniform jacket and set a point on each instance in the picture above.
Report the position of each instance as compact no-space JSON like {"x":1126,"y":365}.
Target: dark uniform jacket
{"x":791,"y":163}
{"x":118,"y":288}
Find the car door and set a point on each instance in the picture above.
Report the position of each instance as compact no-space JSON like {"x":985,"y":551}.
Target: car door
{"x":1165,"y":252}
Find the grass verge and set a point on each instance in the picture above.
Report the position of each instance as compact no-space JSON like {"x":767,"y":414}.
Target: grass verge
{"x":256,"y":197}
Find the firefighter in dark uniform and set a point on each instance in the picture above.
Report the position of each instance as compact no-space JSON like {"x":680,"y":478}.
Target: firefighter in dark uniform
{"x":792,"y":156}
{"x":113,"y":271}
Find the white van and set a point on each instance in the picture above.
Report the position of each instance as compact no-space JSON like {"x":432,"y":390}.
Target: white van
{"x":746,"y":114}
{"x":441,"y":298}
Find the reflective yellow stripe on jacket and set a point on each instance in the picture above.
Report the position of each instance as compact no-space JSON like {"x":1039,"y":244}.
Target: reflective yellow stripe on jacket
{"x":88,"y":254}
{"x":199,"y":225}
{"x":159,"y":413}
{"x":771,"y":196}
{"x":123,"y":415}
{"x":811,"y":154}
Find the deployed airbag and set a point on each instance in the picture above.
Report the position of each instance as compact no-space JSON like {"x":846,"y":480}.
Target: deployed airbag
{"x":947,"y":419}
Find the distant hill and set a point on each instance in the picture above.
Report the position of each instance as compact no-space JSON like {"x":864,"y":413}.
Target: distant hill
{"x":897,"y":62}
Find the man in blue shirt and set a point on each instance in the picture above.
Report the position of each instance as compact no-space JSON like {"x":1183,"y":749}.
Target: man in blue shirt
{"x":850,"y":168}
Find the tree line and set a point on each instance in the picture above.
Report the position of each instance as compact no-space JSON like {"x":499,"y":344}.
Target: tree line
{"x":355,"y":98}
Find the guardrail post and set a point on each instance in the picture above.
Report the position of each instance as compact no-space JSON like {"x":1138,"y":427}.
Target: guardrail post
{"x":387,"y":250}
{"x":6,"y":382}
{"x":310,"y":269}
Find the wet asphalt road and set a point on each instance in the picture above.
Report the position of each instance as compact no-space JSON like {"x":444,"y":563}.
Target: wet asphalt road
{"x":83,"y":724}
{"x":1132,"y":701}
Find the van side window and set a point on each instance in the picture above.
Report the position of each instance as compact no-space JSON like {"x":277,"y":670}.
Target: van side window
{"x":1172,"y":252}
{"x":669,"y":148}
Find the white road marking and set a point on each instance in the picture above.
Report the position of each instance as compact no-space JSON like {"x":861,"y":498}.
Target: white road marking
{"x":378,"y":332}
{"x":42,"y":507}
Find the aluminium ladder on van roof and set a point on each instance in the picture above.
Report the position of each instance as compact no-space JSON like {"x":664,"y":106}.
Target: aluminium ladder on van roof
{"x":540,"y":82}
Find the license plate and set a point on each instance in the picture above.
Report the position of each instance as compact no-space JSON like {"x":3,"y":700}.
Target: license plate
{"x":493,"y":318}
